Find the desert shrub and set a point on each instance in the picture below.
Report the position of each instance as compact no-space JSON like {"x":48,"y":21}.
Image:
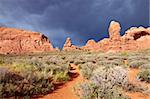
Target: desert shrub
{"x":115,"y":57}
{"x":105,"y":83}
{"x":56,"y":60}
{"x":39,"y":83}
{"x":2,"y":61}
{"x":61,"y":76}
{"x":90,"y":58}
{"x":144,"y":75}
{"x":92,"y":91}
{"x":145,"y":66}
{"x":115,"y":62}
{"x":29,"y":83}
{"x":35,"y":62}
{"x":111,"y":76}
{"x":79,"y":60}
{"x":21,"y":67}
{"x":87,"y":69}
{"x":1,"y":89}
{"x":136,"y":63}
{"x":138,"y":58}
{"x":124,"y":54}
{"x":31,"y":77}
{"x":135,"y":87}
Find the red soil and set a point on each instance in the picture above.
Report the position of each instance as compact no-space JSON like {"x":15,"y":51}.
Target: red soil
{"x":66,"y":91}
{"x":132,"y":78}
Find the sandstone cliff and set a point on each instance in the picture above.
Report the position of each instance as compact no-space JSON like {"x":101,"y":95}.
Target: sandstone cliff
{"x":16,"y":41}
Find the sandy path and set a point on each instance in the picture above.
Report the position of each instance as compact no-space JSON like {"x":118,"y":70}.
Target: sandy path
{"x":132,"y":78}
{"x":66,"y":91}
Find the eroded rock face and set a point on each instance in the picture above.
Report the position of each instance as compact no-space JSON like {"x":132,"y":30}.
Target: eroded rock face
{"x":133,"y":39}
{"x":68,"y":46}
{"x":16,"y":41}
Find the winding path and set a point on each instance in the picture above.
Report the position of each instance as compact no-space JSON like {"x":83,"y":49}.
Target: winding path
{"x":66,"y":91}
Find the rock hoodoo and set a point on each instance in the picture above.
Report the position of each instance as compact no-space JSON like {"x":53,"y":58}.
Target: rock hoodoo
{"x":16,"y":41}
{"x":68,"y":46}
{"x":114,"y":30}
{"x":68,"y":43}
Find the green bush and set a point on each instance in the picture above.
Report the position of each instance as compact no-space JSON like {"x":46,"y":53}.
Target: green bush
{"x":2,"y":61}
{"x":144,"y":75}
{"x":29,"y":83}
{"x":124,"y":54}
{"x":61,"y":76}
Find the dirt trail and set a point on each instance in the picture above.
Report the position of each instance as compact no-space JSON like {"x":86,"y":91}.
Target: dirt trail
{"x":65,"y":91}
{"x":132,"y":78}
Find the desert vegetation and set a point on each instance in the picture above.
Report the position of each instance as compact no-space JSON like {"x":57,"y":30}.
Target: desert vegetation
{"x":106,"y":75}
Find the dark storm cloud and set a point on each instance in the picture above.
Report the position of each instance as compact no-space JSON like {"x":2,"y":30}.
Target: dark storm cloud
{"x":79,"y":19}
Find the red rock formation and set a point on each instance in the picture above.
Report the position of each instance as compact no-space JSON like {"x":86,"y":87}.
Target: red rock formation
{"x":133,"y":39}
{"x":20,"y":41}
{"x":16,"y":41}
{"x":68,"y":46}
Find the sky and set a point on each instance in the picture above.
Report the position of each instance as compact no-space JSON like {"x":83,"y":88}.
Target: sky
{"x":80,"y":20}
